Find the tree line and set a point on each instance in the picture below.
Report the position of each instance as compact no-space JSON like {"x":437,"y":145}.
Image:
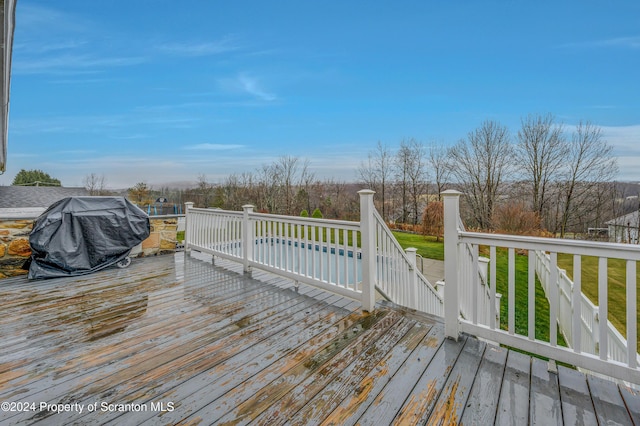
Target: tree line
{"x":544,"y":176}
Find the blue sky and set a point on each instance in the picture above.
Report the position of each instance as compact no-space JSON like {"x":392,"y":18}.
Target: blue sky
{"x":161,"y":91}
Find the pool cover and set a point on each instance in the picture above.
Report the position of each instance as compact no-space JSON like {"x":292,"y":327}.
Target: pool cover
{"x":81,"y":235}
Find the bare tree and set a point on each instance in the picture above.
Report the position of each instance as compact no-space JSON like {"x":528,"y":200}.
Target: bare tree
{"x":417,"y":175}
{"x":540,"y":151}
{"x":287,"y":167}
{"x":402,"y":164}
{"x":440,"y":165}
{"x":95,"y":185}
{"x":205,"y":191}
{"x":268,"y":188}
{"x":140,"y":194}
{"x":481,"y":163}
{"x":589,"y":162}
{"x":376,"y":173}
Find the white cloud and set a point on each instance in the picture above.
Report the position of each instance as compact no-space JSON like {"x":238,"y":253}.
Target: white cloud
{"x":227,"y":44}
{"x":252,"y":87}
{"x":246,"y":84}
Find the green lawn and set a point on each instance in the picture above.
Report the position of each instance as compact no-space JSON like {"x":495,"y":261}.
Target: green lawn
{"x":616,"y":287}
{"x":427,"y":246}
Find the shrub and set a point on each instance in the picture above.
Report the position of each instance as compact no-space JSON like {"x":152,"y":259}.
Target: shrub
{"x":317,"y":214}
{"x":304,"y":213}
{"x":433,"y":219}
{"x":514,"y":218}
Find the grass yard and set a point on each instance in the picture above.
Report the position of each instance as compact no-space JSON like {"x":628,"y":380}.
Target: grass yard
{"x":617,"y":293}
{"x":427,"y":246}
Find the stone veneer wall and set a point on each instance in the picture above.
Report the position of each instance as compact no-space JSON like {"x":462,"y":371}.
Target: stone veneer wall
{"x":14,"y":246}
{"x":15,"y":249}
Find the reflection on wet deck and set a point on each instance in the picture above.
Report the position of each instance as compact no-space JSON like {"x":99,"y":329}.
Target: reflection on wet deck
{"x":171,"y":340}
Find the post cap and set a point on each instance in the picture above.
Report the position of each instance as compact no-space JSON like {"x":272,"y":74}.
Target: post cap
{"x":450,"y":193}
{"x":366,"y":192}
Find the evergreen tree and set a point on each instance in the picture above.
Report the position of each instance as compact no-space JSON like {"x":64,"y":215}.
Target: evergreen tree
{"x":34,"y":178}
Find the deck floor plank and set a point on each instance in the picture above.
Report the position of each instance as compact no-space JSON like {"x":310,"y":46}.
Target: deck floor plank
{"x":209,"y":388}
{"x":106,"y":352}
{"x":140,"y":361}
{"x":279,"y":398}
{"x":226,"y":375}
{"x":452,"y":400}
{"x":608,"y":403}
{"x":209,"y":341}
{"x":513,"y":406}
{"x":577,"y":406}
{"x":217,"y":345}
{"x":353,"y":361}
{"x":367,"y":390}
{"x":316,"y":409}
{"x":631,"y":399}
{"x":154,"y":329}
{"x":177,"y":383}
{"x":545,"y":406}
{"x":483,"y":399}
{"x":402,"y":396}
{"x":254,"y":396}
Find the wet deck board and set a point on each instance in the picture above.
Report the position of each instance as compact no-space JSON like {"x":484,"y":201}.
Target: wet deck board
{"x":545,"y":406}
{"x":632,"y":401}
{"x":483,"y":398}
{"x":513,"y":405}
{"x":608,"y":402}
{"x":221,"y":347}
{"x":577,"y":406}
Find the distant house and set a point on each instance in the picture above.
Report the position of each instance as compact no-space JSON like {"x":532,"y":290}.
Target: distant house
{"x":30,"y":201}
{"x":624,"y":229}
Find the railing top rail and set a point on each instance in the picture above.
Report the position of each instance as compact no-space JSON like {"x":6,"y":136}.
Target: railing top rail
{"x":585,"y":248}
{"x":215,"y":211}
{"x":307,"y":220}
{"x":290,"y":219}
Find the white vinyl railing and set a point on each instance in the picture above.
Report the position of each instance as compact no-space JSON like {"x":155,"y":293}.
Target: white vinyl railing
{"x":589,"y":323}
{"x":398,"y":277}
{"x":455,"y":286}
{"x":353,"y":259}
{"x":480,"y":304}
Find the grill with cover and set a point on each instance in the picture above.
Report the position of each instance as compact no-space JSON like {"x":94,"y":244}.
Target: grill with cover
{"x":81,"y":235}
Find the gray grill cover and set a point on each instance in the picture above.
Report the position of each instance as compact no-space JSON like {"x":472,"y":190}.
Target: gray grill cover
{"x":81,"y":235}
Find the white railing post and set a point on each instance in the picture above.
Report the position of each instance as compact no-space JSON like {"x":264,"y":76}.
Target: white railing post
{"x":413,"y":278}
{"x":247,"y":238}
{"x":187,"y":206}
{"x":368,"y":242}
{"x":451,"y":302}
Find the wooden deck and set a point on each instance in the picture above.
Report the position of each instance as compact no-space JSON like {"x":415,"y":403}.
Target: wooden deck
{"x":174,"y":340}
